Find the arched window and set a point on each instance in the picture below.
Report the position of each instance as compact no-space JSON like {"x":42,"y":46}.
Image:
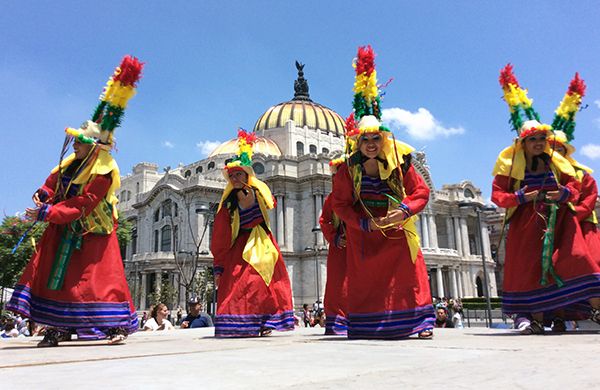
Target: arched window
{"x":211,"y":165}
{"x":199,"y":169}
{"x":258,"y":168}
{"x":175,"y":209}
{"x":187,"y":174}
{"x":156,"y":215}
{"x":325,"y":151}
{"x":312,"y":149}
{"x":299,"y":149}
{"x":128,"y":195}
{"x":134,"y":241}
{"x":166,"y":208}
{"x":468,"y":193}
{"x":137,"y":188}
{"x":165,"y":239}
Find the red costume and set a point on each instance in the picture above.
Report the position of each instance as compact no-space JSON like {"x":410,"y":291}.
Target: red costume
{"x":246,"y":305}
{"x":336,"y":290}
{"x":94,"y":297}
{"x":587,"y":217}
{"x":523,"y":291}
{"x":388,"y":293}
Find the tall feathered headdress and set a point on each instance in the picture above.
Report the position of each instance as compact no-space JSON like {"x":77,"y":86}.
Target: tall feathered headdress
{"x":564,"y":118}
{"x":108,"y":114}
{"x":516,"y":98}
{"x":367,"y":101}
{"x":243,"y":157}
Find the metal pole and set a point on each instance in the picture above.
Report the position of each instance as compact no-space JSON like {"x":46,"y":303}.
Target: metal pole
{"x":486,"y":289}
{"x":317,"y":274}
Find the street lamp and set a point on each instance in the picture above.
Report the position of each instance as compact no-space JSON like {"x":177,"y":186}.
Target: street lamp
{"x":317,"y":230}
{"x":207,"y":212}
{"x":486,"y":291}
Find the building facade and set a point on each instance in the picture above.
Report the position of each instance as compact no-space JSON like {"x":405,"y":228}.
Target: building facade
{"x":172,"y":210}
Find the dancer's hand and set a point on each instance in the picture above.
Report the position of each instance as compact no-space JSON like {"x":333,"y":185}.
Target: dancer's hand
{"x":553,"y":195}
{"x":246,"y":198}
{"x":395,"y":217}
{"x":531,"y":195}
{"x":32,"y":214}
{"x":36,"y":200}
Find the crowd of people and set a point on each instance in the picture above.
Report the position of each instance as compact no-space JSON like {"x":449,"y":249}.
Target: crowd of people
{"x":377,"y":285}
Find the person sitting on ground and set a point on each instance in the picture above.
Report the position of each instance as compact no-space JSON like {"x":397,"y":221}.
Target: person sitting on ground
{"x":158,"y":319}
{"x":9,"y":329}
{"x":442,"y":320}
{"x":196,"y":318}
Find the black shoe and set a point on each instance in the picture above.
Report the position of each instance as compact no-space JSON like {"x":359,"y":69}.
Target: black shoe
{"x":595,"y":316}
{"x":51,"y":338}
{"x":558,"y":325}
{"x":116,"y":335}
{"x":534,"y":327}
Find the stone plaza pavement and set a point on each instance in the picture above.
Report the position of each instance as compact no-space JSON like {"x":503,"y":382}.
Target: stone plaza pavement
{"x":470,"y":358}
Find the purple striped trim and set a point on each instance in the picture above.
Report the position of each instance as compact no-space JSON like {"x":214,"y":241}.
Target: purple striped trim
{"x":250,"y":325}
{"x":250,"y":215}
{"x":364,"y":225}
{"x":373,"y":185}
{"x":75,"y":315}
{"x":572,"y":297}
{"x":44,"y":210}
{"x":42,"y":194}
{"x":520,"y":196}
{"x":218,"y":270}
{"x":566,"y":193}
{"x":336,"y":325}
{"x":535,"y":182}
{"x":406,"y":209}
{"x":391,"y":324}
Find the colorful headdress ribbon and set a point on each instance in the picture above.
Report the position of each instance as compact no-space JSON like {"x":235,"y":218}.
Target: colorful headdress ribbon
{"x":516,"y":98}
{"x":108,"y":114}
{"x":564,"y":118}
{"x":245,"y":143}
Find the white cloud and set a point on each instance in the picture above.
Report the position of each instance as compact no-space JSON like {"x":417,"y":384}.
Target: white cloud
{"x":592,"y":151}
{"x":168,"y":144}
{"x":597,"y":103}
{"x":207,"y":147}
{"x":419,"y":125}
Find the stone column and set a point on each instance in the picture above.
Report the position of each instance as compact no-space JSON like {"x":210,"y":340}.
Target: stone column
{"x":457,"y":236}
{"x":485,"y":234}
{"x":280,"y":222}
{"x":419,"y":229}
{"x":467,"y":284}
{"x":289,"y":226}
{"x":142,"y":303}
{"x":450,"y":233}
{"x":454,"y":283}
{"x":158,"y":282}
{"x":433,"y":240}
{"x":440,"y":282}
{"x":464,"y":230}
{"x":425,"y":230}
{"x":461,"y":290}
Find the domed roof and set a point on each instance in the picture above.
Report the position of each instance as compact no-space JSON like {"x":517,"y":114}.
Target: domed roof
{"x":302,"y":110}
{"x":303,"y":113}
{"x":261,"y":145}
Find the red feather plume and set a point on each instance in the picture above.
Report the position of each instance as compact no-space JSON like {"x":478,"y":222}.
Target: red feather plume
{"x":507,"y":76}
{"x":577,"y":86}
{"x":365,"y":62}
{"x":131,"y":71}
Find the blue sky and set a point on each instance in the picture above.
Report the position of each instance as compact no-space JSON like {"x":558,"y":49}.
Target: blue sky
{"x":213,"y":66}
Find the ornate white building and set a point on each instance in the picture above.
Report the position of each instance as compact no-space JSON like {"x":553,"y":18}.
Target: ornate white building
{"x":172,"y":210}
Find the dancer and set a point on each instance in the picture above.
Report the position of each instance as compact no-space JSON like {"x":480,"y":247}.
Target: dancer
{"x":254,"y":291}
{"x":75,"y":282}
{"x":548,"y":268}
{"x":336,"y":322}
{"x":376,"y":193}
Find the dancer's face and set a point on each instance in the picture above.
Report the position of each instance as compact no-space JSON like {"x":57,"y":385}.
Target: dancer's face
{"x":370,"y":144}
{"x":238,"y":178}
{"x":81,"y":150}
{"x":535,"y":144}
{"x":560,"y":149}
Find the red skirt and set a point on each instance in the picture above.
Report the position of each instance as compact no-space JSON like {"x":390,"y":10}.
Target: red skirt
{"x":245,"y":304}
{"x":523,"y":292}
{"x":336,"y":292}
{"x":591,"y":235}
{"x":94,"y":297}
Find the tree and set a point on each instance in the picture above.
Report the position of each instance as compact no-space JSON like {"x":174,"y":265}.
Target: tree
{"x":166,"y":294}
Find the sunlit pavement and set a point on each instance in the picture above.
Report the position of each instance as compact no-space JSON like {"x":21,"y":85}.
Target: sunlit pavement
{"x":304,"y":358}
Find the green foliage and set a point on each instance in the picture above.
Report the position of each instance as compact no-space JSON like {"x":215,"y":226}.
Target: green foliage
{"x":11,"y":265}
{"x":124,"y":231}
{"x":480,"y":303}
{"x":167,"y":294}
